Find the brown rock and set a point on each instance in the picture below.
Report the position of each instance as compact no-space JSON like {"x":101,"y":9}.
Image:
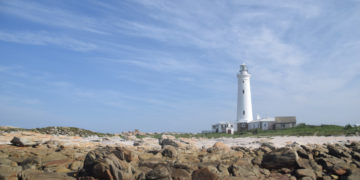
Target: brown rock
{"x":7,"y":172}
{"x":107,"y":163}
{"x":221,"y":146}
{"x":159,"y":172}
{"x":40,"y":175}
{"x":76,"y":165}
{"x":203,"y":174}
{"x":340,"y":170}
{"x":180,"y":174}
{"x":278,"y":176}
{"x":305,"y":173}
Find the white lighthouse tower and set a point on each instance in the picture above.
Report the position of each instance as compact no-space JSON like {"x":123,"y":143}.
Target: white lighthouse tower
{"x":244,"y":106}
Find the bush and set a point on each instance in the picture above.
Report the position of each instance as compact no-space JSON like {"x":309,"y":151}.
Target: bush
{"x":347,"y":127}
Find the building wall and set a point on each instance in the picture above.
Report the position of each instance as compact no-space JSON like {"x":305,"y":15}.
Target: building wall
{"x":283,"y":122}
{"x":284,"y":125}
{"x":243,"y":126}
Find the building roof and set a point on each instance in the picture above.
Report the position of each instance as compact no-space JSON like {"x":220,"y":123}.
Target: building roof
{"x":285,"y":119}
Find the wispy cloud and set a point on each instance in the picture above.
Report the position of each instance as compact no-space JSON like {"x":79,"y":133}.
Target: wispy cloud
{"x":50,"y":15}
{"x":43,"y":38}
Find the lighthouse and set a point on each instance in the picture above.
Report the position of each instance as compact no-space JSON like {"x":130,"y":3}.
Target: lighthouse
{"x":244,"y":106}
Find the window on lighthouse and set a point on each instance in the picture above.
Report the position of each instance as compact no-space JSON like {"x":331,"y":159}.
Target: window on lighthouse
{"x":243,"y":112}
{"x":243,"y":92}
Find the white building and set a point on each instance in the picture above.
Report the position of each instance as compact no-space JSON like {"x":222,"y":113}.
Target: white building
{"x":244,"y":120}
{"x":261,"y":123}
{"x":223,"y":127}
{"x":244,"y":105}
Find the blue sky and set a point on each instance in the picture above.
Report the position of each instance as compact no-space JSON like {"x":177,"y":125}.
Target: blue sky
{"x":160,"y":65}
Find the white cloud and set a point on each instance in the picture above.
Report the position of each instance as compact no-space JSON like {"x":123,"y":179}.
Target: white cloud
{"x":43,"y":38}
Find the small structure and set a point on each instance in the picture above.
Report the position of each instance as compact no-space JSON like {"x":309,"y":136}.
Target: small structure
{"x":223,"y":127}
{"x":282,"y":122}
{"x":262,"y":123}
{"x":272,"y":123}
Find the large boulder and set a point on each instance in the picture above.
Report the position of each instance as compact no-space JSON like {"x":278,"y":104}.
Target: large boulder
{"x":108,"y":164}
{"x":280,"y":158}
{"x":204,"y":174}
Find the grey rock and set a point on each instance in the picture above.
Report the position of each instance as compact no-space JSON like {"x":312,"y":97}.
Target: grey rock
{"x":203,"y":174}
{"x":169,"y":142}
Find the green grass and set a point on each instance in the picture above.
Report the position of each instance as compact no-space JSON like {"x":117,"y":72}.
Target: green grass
{"x":299,"y":130}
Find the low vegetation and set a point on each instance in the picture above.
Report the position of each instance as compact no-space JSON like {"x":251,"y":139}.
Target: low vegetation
{"x":70,"y":131}
{"x":299,"y":130}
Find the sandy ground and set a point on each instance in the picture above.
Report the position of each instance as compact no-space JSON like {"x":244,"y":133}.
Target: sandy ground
{"x":250,"y":142}
{"x":278,"y":141}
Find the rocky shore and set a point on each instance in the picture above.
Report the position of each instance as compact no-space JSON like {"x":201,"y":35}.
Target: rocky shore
{"x":29,"y":155}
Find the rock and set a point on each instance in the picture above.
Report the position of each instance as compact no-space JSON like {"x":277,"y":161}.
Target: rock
{"x":305,"y":173}
{"x":159,"y":172}
{"x":355,"y":174}
{"x":138,"y":143}
{"x":39,"y":175}
{"x":311,"y":164}
{"x":340,"y":169}
{"x":244,"y":170}
{"x":6,"y":162}
{"x":223,"y":170}
{"x":278,"y":176}
{"x":334,"y":165}
{"x":76,"y":165}
{"x":7,"y":172}
{"x":108,"y":163}
{"x":221,"y":146}
{"x":180,"y":174}
{"x":203,"y":174}
{"x":268,"y":145}
{"x":24,"y":141}
{"x":168,"y":142}
{"x":62,"y":170}
{"x":169,"y":151}
{"x":280,"y":158}
{"x":338,"y":151}
{"x":31,"y":163}
{"x":303,"y":154}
